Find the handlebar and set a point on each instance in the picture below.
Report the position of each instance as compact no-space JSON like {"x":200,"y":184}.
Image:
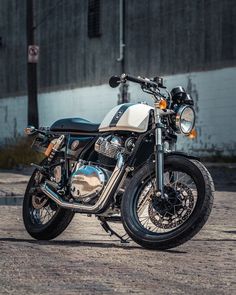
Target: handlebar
{"x":134,"y":79}
{"x":155,"y":83}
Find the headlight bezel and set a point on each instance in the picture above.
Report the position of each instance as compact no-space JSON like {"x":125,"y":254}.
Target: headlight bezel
{"x":178,"y":117}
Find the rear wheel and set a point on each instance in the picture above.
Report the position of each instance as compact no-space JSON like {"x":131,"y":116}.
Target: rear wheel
{"x":157,"y":223}
{"x":43,"y":219}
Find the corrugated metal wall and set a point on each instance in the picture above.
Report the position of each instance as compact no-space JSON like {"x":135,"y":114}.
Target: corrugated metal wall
{"x":191,"y":42}
{"x":162,"y":37}
{"x":170,"y":36}
{"x":69,"y":58}
{"x":12,"y":48}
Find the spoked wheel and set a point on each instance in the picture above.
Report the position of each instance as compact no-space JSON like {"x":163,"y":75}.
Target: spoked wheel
{"x":164,"y":214}
{"x":162,"y":223}
{"x":41,"y":209}
{"x":43,"y":219}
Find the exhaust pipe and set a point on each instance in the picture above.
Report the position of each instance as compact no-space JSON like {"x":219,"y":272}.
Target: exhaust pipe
{"x":101,"y":203}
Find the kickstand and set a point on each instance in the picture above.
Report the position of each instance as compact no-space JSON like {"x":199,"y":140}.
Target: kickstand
{"x":110,"y":231}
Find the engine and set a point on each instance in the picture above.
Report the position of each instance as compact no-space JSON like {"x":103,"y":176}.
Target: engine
{"x":88,"y":181}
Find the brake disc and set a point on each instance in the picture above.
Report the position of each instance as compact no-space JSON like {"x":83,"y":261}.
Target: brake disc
{"x":172,"y":211}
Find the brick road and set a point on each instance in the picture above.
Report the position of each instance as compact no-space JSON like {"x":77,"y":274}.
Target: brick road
{"x":85,"y":260}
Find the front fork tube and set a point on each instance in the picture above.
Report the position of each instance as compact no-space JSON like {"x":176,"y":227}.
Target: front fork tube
{"x":159,"y":158}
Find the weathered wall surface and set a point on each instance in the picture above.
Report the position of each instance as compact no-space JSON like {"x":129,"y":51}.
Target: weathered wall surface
{"x":90,"y":103}
{"x":13,"y":117}
{"x":162,"y":37}
{"x":190,"y":42}
{"x":214,"y":96}
{"x":69,"y":58}
{"x":169,"y":37}
{"x":12,"y":48}
{"x":213,"y":93}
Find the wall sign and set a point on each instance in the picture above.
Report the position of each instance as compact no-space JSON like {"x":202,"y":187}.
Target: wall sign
{"x":33,"y":53}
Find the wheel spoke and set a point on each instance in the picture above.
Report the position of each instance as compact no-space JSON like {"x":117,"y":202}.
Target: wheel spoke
{"x":42,"y":215}
{"x":160,"y":216}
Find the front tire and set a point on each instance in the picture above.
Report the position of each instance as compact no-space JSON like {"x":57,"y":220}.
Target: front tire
{"x":178,"y":218}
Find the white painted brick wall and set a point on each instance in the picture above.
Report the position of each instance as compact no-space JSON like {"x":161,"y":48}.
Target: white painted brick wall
{"x":13,"y":116}
{"x":213,"y":92}
{"x":215,"y":95}
{"x":90,"y":103}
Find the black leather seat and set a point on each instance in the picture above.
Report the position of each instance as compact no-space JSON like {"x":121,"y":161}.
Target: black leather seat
{"x":74,"y":125}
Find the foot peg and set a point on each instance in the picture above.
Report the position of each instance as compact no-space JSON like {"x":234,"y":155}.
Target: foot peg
{"x":39,"y":168}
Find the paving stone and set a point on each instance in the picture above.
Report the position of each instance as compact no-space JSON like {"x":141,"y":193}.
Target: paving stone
{"x":85,"y":260}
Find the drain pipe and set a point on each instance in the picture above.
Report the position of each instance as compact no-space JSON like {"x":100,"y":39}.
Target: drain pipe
{"x":123,"y":96}
{"x":122,"y":43}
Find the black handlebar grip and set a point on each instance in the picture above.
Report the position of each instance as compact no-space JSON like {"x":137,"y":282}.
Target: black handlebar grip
{"x":142,"y":81}
{"x":134,"y":79}
{"x":116,"y":80}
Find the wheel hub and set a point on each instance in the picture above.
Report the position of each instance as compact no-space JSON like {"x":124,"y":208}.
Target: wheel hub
{"x":39,"y":202}
{"x":167,"y":204}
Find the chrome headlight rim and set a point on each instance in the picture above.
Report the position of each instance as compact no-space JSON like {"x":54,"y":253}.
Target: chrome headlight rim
{"x":179,"y":114}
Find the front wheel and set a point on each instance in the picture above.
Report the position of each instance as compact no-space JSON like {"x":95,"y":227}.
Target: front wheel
{"x":164,"y":223}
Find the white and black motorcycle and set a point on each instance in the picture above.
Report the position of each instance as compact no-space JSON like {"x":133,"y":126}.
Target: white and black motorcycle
{"x":125,"y":169}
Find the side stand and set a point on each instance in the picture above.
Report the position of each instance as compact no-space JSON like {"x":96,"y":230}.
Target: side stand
{"x":110,"y":231}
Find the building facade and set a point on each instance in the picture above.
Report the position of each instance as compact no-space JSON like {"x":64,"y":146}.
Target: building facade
{"x":188,"y":42}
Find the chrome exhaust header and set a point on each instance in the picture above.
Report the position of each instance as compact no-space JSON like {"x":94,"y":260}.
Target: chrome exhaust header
{"x":101,"y":203}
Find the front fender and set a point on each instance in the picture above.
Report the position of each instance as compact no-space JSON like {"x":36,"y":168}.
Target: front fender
{"x":166,"y":155}
{"x":181,"y":154}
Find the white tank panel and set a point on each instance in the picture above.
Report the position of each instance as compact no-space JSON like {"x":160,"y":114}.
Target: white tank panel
{"x":133,"y":117}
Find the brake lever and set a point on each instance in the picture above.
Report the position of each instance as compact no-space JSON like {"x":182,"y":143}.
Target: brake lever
{"x":152,"y":92}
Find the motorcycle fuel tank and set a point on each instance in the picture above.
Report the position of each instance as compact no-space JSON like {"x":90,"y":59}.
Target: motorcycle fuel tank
{"x":127,"y":117}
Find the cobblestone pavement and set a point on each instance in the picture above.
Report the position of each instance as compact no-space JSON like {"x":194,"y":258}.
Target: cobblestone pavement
{"x":12,"y":184}
{"x":85,"y":260}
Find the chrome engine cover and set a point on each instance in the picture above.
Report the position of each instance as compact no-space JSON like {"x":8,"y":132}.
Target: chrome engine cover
{"x":87,"y":182}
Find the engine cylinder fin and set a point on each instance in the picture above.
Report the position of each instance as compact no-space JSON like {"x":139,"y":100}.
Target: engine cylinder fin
{"x":109,"y":146}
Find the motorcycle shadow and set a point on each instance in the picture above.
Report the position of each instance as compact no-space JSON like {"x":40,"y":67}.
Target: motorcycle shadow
{"x":95,"y":244}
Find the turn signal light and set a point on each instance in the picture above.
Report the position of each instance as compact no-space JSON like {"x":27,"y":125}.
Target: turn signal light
{"x":192,"y":134}
{"x":163,"y":104}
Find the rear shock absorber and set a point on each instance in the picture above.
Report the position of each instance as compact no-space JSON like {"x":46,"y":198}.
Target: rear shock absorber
{"x":54,"y":147}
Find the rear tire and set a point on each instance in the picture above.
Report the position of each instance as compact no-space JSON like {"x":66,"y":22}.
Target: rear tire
{"x":51,"y":229}
{"x":190,"y":227}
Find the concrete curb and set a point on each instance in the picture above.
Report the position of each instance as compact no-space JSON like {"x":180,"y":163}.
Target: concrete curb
{"x":11,"y":201}
{"x":220,"y":165}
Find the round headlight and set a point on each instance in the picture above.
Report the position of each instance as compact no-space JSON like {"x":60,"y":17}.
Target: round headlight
{"x":185,"y":119}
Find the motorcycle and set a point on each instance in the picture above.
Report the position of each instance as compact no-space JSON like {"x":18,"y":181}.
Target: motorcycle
{"x":125,"y":169}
